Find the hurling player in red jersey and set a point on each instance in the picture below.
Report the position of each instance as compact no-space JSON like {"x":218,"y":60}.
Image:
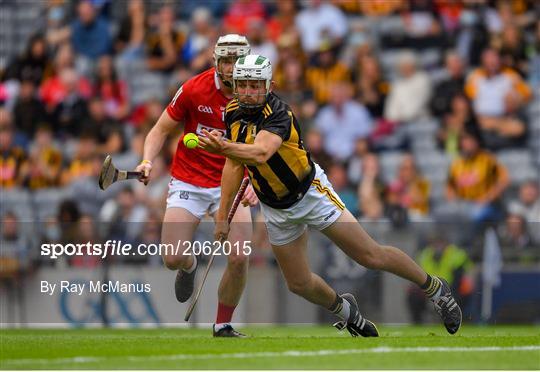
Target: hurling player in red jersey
{"x":194,"y":189}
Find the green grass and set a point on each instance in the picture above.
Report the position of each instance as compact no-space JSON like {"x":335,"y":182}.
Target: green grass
{"x":309,"y":348}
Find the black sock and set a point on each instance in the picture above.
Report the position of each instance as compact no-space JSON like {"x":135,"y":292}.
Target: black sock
{"x":431,"y":286}
{"x":337,"y":305}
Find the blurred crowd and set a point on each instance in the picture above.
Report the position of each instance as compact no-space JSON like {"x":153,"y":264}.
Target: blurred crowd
{"x":409,"y":105}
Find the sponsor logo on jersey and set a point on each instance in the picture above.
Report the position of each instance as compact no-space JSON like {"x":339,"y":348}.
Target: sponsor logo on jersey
{"x":200,"y":128}
{"x":205,"y":109}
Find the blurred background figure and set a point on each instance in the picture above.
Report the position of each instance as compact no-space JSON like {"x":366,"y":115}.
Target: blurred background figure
{"x":449,"y":262}
{"x":342,"y":122}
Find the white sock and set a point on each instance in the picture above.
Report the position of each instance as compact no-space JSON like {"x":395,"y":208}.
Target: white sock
{"x":219,"y":326}
{"x":192,"y":267}
{"x":345,"y":311}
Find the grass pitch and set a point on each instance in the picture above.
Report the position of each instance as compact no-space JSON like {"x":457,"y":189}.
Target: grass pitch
{"x":309,"y":347}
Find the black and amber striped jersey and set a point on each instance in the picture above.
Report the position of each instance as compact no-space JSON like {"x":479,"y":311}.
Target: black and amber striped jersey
{"x":286,"y":176}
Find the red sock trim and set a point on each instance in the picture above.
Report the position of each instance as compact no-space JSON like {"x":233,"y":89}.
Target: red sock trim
{"x":224,"y":313}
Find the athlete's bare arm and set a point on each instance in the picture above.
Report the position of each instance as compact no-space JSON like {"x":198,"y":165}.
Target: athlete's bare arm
{"x":154,"y":142}
{"x":265,"y":145}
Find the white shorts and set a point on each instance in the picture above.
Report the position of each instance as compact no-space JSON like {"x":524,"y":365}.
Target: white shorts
{"x":197,"y":200}
{"x":319,"y":208}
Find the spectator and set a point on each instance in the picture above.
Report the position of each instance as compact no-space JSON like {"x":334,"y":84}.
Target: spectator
{"x":28,"y":110}
{"x":241,"y":13}
{"x":151,"y":234}
{"x":164,"y":42}
{"x":154,"y":194}
{"x":371,"y":189}
{"x":528,"y":206}
{"x":422,"y":25}
{"x":133,"y":27}
{"x":54,"y":90}
{"x":325,"y":72}
{"x":376,"y":8}
{"x":342,"y":122}
{"x":71,"y":110}
{"x":90,"y":33}
{"x":410,"y":190}
{"x":445,"y":91}
{"x":371,"y":87}
{"x":291,"y":86}
{"x":112,"y":90}
{"x":498,"y":94}
{"x":14,"y":266}
{"x":320,"y":20}
{"x":517,"y":244}
{"x":201,"y":36}
{"x":15,"y":252}
{"x":81,"y":164}
{"x":260,"y":43}
{"x":410,"y":94}
{"x":454,"y":123}
{"x":337,"y":175}
{"x":13,"y":159}
{"x":314,"y":143}
{"x":90,"y":198}
{"x":447,"y":261}
{"x":34,"y":64}
{"x":68,"y":218}
{"x":45,"y":161}
{"x":472,"y":37}
{"x":512,"y":49}
{"x":124,"y":216}
{"x":87,"y":232}
{"x":476,"y":181}
{"x":106,"y":130}
{"x":354,"y":169}
{"x":283,"y":21}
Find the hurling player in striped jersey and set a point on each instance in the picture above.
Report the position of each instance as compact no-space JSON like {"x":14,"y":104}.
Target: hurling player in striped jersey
{"x":264,"y":136}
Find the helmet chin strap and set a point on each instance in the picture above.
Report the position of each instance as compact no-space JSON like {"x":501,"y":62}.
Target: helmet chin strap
{"x":227,"y":83}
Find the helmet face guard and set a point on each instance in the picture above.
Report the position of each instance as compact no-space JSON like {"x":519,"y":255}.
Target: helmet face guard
{"x":252,"y":68}
{"x":229,"y":46}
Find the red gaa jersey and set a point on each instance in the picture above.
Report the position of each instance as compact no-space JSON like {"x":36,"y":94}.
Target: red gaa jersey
{"x":200,"y":104}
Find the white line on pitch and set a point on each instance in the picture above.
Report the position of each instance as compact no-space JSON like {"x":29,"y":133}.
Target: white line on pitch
{"x":270,"y":354}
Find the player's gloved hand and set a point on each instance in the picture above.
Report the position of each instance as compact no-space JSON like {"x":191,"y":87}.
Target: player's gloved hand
{"x":145,"y":167}
{"x":221,"y":231}
{"x":250,"y":198}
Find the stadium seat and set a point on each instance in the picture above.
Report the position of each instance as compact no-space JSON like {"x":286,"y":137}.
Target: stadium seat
{"x":520,"y":164}
{"x":389,"y":162}
{"x":46,"y":202}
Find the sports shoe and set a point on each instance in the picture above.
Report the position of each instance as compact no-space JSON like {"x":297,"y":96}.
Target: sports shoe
{"x":357,"y":325}
{"x":183,"y":284}
{"x":448,"y":308}
{"x":227,"y":331}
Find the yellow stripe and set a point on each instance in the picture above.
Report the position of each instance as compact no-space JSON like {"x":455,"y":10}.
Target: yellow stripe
{"x":254,"y":181}
{"x":231,"y":108}
{"x":269,"y":109}
{"x":326,"y":191}
{"x":273,"y":180}
{"x":235,"y":127}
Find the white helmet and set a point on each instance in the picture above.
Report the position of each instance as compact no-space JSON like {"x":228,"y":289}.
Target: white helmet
{"x":252,"y":67}
{"x":231,"y":45}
